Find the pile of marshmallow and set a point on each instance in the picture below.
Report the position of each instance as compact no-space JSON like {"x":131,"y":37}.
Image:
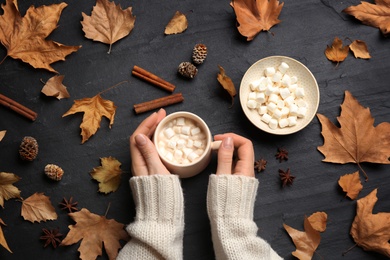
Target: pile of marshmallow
{"x":277,"y":97}
{"x":181,"y":141}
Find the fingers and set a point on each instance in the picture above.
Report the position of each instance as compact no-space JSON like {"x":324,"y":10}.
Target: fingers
{"x":245,"y":154}
{"x":150,"y":155}
{"x":225,"y":156}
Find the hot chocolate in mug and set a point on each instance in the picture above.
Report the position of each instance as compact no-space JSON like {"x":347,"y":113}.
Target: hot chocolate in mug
{"x":184,"y":143}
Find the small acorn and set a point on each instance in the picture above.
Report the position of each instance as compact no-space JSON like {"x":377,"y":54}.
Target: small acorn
{"x":28,"y":149}
{"x":54,"y":172}
{"x":187,"y":69}
{"x":199,"y":53}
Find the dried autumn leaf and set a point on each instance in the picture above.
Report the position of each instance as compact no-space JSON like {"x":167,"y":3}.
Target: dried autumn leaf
{"x":3,"y":242}
{"x":357,"y":140}
{"x":2,"y":134}
{"x":360,"y":49}
{"x":337,"y":52}
{"x":256,"y":16}
{"x":55,"y":88}
{"x":306,"y":242}
{"x":351,"y":184}
{"x":371,"y":231}
{"x":177,"y":24}
{"x":24,"y":37}
{"x":95,"y":231}
{"x":108,"y":22}
{"x":318,"y":221}
{"x":94,"y":109}
{"x":226,"y":83}
{"x":108,"y":175}
{"x":38,"y":208}
{"x":7,"y":189}
{"x":375,"y":15}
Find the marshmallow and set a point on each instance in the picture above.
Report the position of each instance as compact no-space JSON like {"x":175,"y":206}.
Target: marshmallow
{"x":186,"y":130}
{"x":169,"y":133}
{"x":286,"y":80}
{"x":198,"y":144}
{"x":285,"y":111}
{"x":180,"y":121}
{"x":292,"y":120}
{"x":277,"y":114}
{"x":273,"y":98}
{"x":301,"y":112}
{"x":190,"y":143}
{"x":280,"y":104}
{"x":283,"y":122}
{"x":262,"y":110}
{"x":299,"y":92}
{"x":277,"y":77}
{"x":283,"y":67}
{"x":301,"y":103}
{"x":270,"y":71}
{"x":271,"y":107}
{"x":266,"y":118}
{"x":273,"y":123}
{"x":252,"y":96}
{"x":293,"y":110}
{"x":260,"y":98}
{"x":254,"y":85}
{"x":171,"y":144}
{"x":195,"y":131}
{"x":269,"y":90}
{"x":192,"y":156}
{"x":294,"y":79}
{"x":251,"y":104}
{"x":178,"y":154}
{"x":180,"y":143}
{"x":285,"y":93}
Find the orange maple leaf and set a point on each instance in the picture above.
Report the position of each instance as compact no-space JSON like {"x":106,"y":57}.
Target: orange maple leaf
{"x":94,"y":109}
{"x":55,"y":88}
{"x":108,"y":22}
{"x":376,"y":15}
{"x":108,"y":175}
{"x":351,"y":184}
{"x":371,"y":231}
{"x":7,"y":189}
{"x":95,"y":231}
{"x":357,"y":140}
{"x":24,"y":37}
{"x":306,"y":242}
{"x":337,"y":52}
{"x":254,"y":16}
{"x":38,"y":208}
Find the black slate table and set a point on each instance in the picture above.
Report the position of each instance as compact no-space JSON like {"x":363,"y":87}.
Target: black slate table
{"x":307,"y":27}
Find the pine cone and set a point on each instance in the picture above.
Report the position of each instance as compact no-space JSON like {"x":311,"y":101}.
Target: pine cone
{"x":187,"y":69}
{"x":199,"y":53}
{"x":54,"y":172}
{"x":28,"y":149}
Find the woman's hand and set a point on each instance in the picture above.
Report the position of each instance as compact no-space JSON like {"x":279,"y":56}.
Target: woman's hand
{"x":144,"y":157}
{"x":242,"y":148}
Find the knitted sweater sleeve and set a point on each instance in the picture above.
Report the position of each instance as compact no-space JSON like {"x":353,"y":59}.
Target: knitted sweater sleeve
{"x":158,"y":227}
{"x":230,"y":204}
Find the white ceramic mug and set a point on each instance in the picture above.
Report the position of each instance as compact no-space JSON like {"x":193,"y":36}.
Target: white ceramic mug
{"x":185,"y":170}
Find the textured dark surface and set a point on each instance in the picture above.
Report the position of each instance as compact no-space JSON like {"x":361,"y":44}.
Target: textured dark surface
{"x":306,"y":29}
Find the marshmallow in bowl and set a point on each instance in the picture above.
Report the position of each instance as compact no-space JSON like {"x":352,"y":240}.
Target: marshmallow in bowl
{"x":181,"y":141}
{"x":277,"y":97}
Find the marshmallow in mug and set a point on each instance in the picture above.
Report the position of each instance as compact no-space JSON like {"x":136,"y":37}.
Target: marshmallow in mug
{"x":277,"y":97}
{"x":181,"y":141}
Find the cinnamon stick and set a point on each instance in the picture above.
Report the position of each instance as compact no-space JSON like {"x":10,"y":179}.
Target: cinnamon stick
{"x":152,"y":78}
{"x":18,"y":108}
{"x":158,"y":103}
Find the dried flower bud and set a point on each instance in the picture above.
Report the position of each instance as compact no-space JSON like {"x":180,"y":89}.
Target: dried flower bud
{"x":199,"y":53}
{"x":28,"y":149}
{"x":187,"y":69}
{"x":54,"y":172}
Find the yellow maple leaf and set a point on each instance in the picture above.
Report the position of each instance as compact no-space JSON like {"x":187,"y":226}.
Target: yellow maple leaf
{"x":337,"y":52}
{"x":94,"y":109}
{"x":38,"y":208}
{"x":95,"y":231}
{"x":7,"y":189}
{"x":108,"y":22}
{"x":108,"y":175}
{"x":24,"y":37}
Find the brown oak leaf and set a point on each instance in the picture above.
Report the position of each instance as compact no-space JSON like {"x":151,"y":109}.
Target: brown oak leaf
{"x":375,"y":15}
{"x":55,"y":88}
{"x":360,"y":49}
{"x":108,"y":22}
{"x":2,"y":134}
{"x":357,"y":140}
{"x":38,"y":208}
{"x":306,"y":242}
{"x":318,"y":221}
{"x":351,"y":184}
{"x":371,"y":231}
{"x":227,"y":83}
{"x":108,"y":175}
{"x":7,"y":189}
{"x":94,"y":109}
{"x":95,"y":231}
{"x":177,"y":24}
{"x":254,"y":16}
{"x":24,"y":37}
{"x":3,"y":242}
{"x":337,"y":52}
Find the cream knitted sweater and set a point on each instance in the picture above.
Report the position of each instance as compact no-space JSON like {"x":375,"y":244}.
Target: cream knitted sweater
{"x":157,"y":231}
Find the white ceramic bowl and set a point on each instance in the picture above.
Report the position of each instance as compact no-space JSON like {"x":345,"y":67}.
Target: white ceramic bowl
{"x":305,"y":80}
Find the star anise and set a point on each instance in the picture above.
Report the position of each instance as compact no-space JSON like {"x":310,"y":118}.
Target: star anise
{"x":282,"y":154}
{"x":286,"y":177}
{"x":51,"y":236}
{"x":69,"y":205}
{"x":260,"y":165}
